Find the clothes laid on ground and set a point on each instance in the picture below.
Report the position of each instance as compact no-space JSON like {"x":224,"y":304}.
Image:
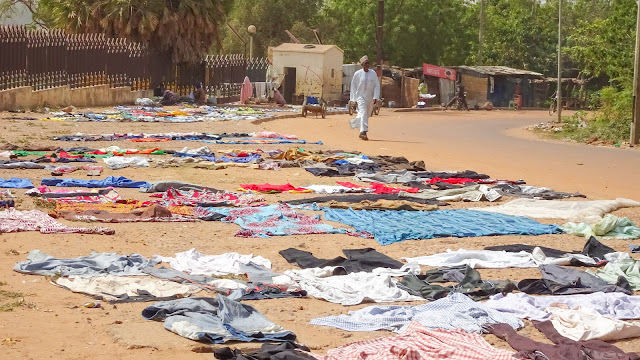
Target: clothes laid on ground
{"x":216,"y":320}
{"x":393,"y":226}
{"x":10,"y":164}
{"x":12,"y":220}
{"x":557,"y":280}
{"x":95,"y":264}
{"x":593,"y":248}
{"x":378,"y":188}
{"x":330,"y":189}
{"x":469,"y":193}
{"x":356,"y":260}
{"x":628,"y":269}
{"x":258,"y":291}
{"x":562,"y":348}
{"x":409,"y":176}
{"x":609,"y":227}
{"x":275,"y":220}
{"x":469,"y":283}
{"x":356,"y":198}
{"x":284,"y":351}
{"x":582,"y":323}
{"x":117,"y":162}
{"x":455,"y":311}
{"x":196,"y":263}
{"x":578,"y":211}
{"x":108,"y":195}
{"x":153,"y":213}
{"x":615,"y":305}
{"x":268,"y":188}
{"x":380,"y":205}
{"x":173,"y":197}
{"x":341,"y":169}
{"x":634,"y":248}
{"x":417,"y":342}
{"x":353,"y":288}
{"x":114,"y":288}
{"x":111,"y":181}
{"x":532,"y":192}
{"x":477,"y":259}
{"x":162,"y":186}
{"x":15,"y":183}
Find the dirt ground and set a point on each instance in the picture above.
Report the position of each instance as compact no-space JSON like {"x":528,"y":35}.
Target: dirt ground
{"x":51,"y":322}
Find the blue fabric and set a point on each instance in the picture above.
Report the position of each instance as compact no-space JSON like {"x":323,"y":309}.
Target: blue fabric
{"x":259,"y":141}
{"x":273,"y":220}
{"x":111,"y":181}
{"x":16,"y":183}
{"x":312,"y":100}
{"x":389,"y":227}
{"x":212,"y":157}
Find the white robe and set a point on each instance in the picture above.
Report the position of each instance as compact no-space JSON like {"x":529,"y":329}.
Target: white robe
{"x":365,"y":87}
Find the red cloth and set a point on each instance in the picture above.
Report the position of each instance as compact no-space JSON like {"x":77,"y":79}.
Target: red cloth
{"x":271,"y":188}
{"x":454,"y":180}
{"x":385,"y":189}
{"x":419,"y":343}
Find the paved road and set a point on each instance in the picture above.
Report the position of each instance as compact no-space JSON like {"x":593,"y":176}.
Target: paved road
{"x":489,"y":142}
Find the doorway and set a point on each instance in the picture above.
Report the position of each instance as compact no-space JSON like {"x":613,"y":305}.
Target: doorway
{"x":289,"y":84}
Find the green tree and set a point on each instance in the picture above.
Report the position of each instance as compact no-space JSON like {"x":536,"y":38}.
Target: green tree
{"x":185,"y":29}
{"x":271,"y":18}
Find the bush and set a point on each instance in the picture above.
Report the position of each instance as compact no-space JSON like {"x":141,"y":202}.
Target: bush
{"x":611,"y":123}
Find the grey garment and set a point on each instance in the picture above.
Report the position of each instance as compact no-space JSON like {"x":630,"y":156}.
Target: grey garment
{"x":634,"y":248}
{"x":559,"y":280}
{"x":215,"y":320}
{"x":95,"y":264}
{"x":22,"y":165}
{"x":257,"y":273}
{"x":177,"y":276}
{"x":390,"y":177}
{"x":467,"y":193}
{"x":532,"y":192}
{"x":162,"y":186}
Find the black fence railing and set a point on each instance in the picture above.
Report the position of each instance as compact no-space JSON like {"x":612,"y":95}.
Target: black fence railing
{"x":47,"y":59}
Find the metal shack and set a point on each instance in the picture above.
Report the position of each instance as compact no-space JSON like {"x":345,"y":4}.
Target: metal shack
{"x":499,"y":84}
{"x":309,"y":70}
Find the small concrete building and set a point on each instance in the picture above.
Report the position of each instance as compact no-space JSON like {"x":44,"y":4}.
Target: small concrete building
{"x":309,"y":70}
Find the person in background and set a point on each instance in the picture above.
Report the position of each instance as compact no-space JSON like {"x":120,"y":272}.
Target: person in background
{"x":460,"y":96}
{"x":423,"y":89}
{"x":159,"y":91}
{"x":365,"y":91}
{"x":169,"y":98}
{"x":199,"y":96}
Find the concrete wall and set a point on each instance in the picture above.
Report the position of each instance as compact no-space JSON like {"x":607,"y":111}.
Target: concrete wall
{"x":313,"y":72}
{"x":102,"y":95}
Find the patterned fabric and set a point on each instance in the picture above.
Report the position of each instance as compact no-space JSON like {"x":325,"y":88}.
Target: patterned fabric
{"x":274,"y":220}
{"x":456,"y":311}
{"x":12,"y":220}
{"x":120,"y":208}
{"x":420,"y":343}
{"x":173,"y":197}
{"x":272,"y":189}
{"x":389,"y":227}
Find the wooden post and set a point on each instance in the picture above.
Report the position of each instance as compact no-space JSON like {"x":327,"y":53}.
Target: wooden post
{"x":635,"y":126}
{"x":481,"y":33}
{"x":559,"y":92}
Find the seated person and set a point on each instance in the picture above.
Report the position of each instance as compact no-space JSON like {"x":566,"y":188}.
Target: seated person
{"x":169,"y":98}
{"x":199,"y":95}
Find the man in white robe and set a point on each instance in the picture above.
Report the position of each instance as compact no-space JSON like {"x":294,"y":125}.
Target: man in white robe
{"x":365,"y":91}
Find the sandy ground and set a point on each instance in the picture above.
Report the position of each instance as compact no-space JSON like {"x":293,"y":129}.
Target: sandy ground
{"x":53,"y":324}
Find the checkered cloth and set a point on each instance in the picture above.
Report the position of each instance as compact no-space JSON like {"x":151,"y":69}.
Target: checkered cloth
{"x":420,"y":343}
{"x":456,"y":311}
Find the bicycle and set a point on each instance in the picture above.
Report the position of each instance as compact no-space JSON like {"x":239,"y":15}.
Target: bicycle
{"x":554,"y":104}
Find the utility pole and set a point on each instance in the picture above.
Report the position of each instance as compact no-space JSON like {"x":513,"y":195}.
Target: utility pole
{"x":379,"y":32}
{"x":635,"y":126}
{"x":481,"y":33}
{"x":559,"y":92}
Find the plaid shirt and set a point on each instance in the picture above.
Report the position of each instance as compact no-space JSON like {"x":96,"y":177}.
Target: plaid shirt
{"x":420,"y":343}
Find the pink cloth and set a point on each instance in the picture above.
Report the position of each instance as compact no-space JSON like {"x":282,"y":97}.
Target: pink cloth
{"x":274,"y":135}
{"x":247,"y":90}
{"x":12,"y":220}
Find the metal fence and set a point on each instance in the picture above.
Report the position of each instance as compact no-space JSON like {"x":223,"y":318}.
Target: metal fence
{"x":47,"y":59}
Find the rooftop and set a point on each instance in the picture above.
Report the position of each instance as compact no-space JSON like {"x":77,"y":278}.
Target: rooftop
{"x":497,"y":70}
{"x":305,"y":48}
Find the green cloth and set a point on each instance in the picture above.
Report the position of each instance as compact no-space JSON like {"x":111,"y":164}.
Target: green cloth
{"x":627,"y":268}
{"x":610,"y":227}
{"x":423,"y":89}
{"x":94,"y":156}
{"x":27,"y":153}
{"x":158,"y":152}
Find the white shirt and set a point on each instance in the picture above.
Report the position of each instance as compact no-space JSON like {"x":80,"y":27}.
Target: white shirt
{"x":365,"y":84}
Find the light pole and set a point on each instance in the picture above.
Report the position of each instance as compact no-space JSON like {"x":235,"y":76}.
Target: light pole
{"x":635,"y":126}
{"x":252,"y":31}
{"x":559,"y":91}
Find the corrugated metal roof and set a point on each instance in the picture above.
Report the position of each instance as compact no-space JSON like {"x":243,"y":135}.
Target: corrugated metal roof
{"x":305,"y":48}
{"x":497,"y":70}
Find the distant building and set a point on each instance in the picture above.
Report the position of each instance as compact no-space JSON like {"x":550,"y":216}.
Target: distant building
{"x":500,"y":85}
{"x":309,"y":70}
